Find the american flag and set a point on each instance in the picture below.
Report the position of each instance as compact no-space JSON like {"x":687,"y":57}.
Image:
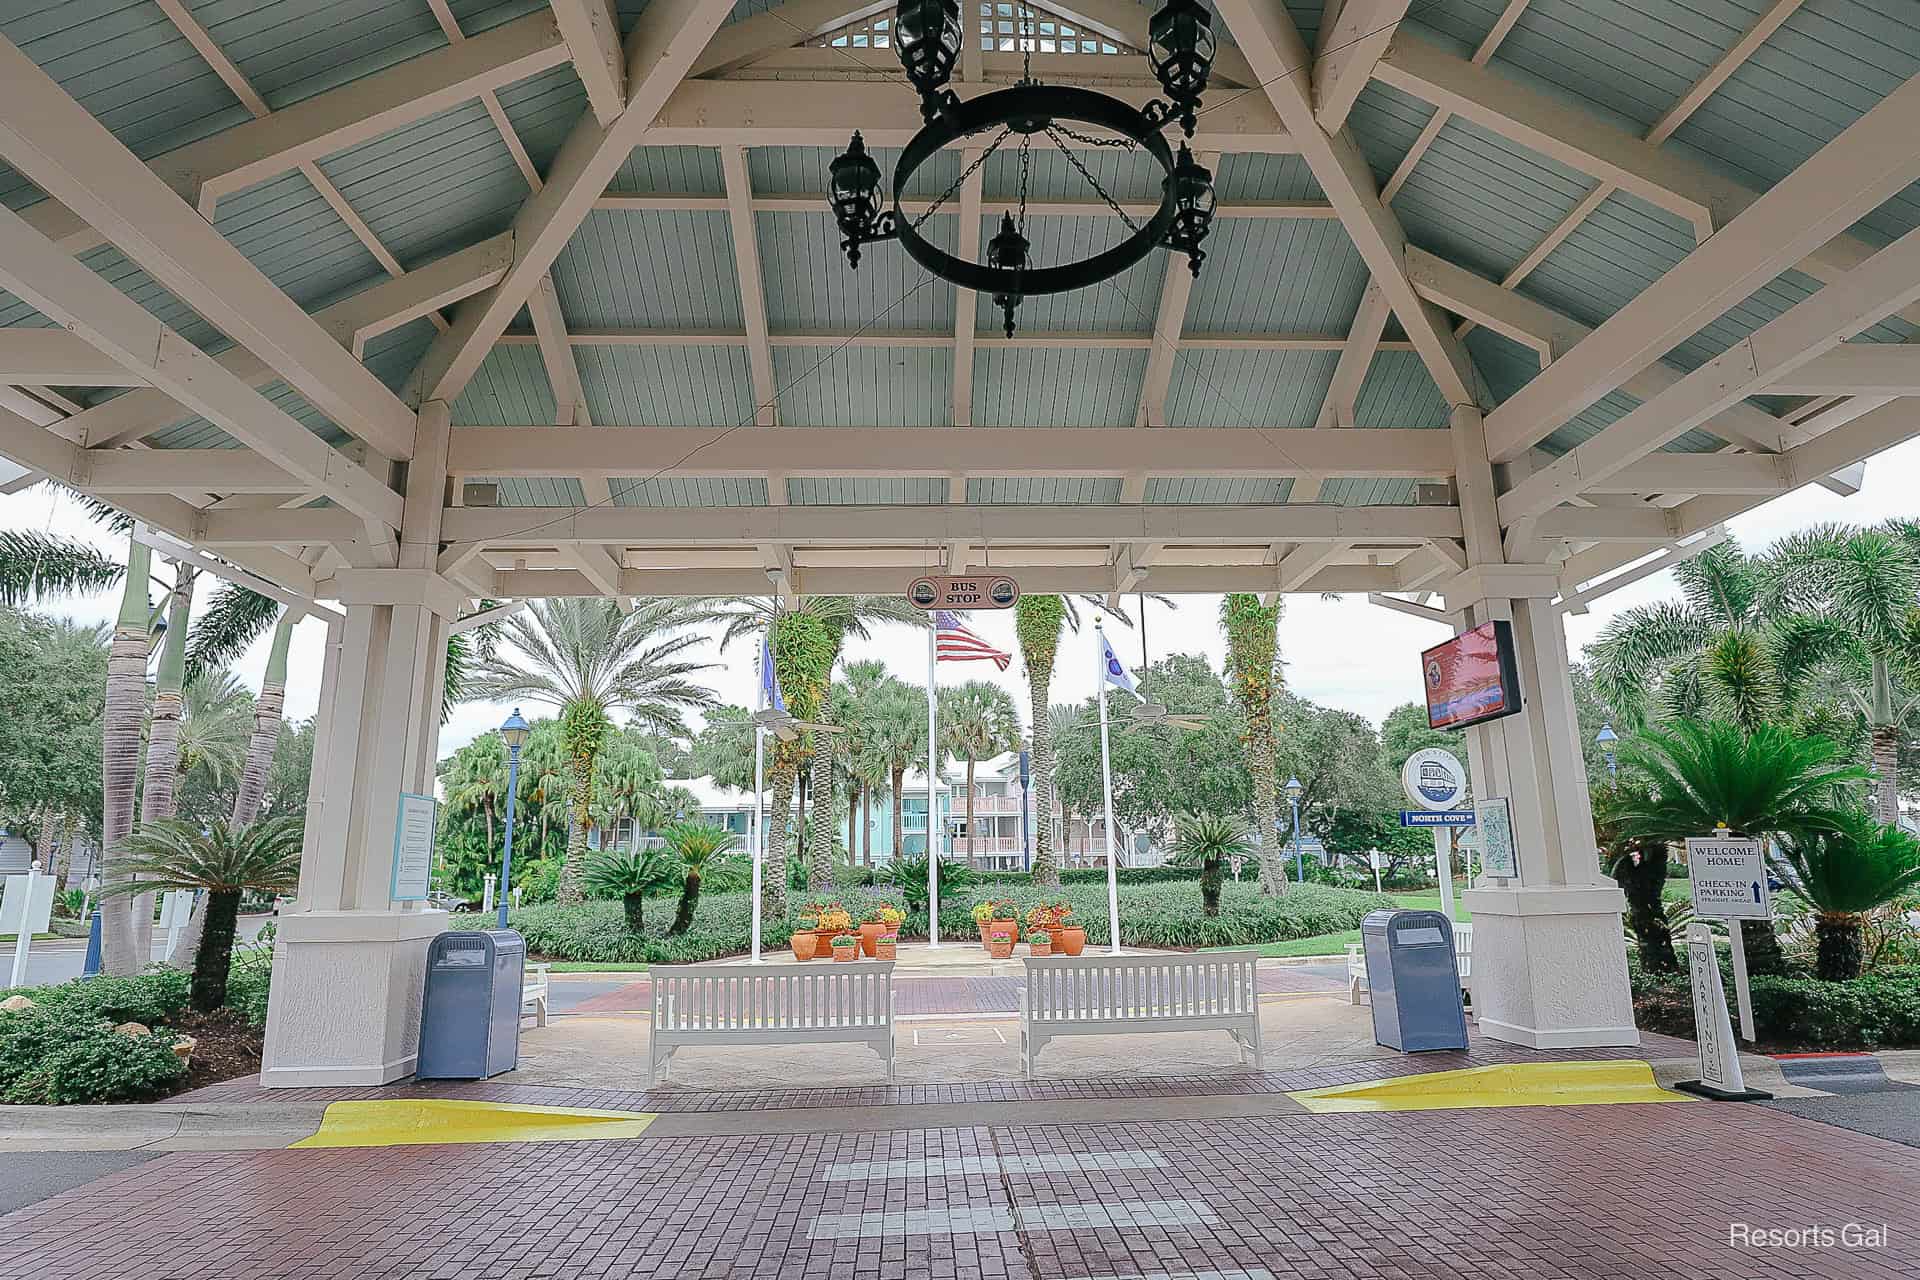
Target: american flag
{"x":952,"y":642}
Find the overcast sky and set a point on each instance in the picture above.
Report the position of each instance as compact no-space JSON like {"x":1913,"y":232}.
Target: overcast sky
{"x":1344,"y":653}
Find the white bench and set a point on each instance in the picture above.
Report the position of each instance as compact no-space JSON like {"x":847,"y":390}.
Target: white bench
{"x":1128,"y":995}
{"x":533,"y":992}
{"x":1462,"y":958}
{"x":849,"y":1002}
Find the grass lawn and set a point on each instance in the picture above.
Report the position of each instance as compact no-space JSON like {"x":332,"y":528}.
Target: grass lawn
{"x":1335,"y":944}
{"x":8,"y":939}
{"x":596,"y":966}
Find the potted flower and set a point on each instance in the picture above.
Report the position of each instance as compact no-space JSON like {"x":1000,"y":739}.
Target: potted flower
{"x":1001,"y":914}
{"x":835,"y":920}
{"x":845,"y":947}
{"x":1068,"y":937}
{"x":1000,"y":942}
{"x":884,"y":918}
{"x":982,"y":915}
{"x":804,"y":940}
{"x":883,"y":946}
{"x":1039,"y":943}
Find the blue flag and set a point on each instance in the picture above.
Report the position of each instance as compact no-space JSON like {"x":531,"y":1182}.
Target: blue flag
{"x":1111,"y":670}
{"x":769,"y":678}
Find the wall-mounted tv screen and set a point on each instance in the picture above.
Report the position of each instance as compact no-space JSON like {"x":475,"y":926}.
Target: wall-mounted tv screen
{"x":1471,"y":678}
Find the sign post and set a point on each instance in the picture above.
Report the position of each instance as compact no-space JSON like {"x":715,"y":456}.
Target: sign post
{"x":1730,"y":883}
{"x":1435,"y":780}
{"x":1720,"y":1076}
{"x":26,"y":908}
{"x":1373,"y":860}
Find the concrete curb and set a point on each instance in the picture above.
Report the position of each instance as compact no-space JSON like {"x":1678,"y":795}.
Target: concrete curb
{"x":158,"y":1126}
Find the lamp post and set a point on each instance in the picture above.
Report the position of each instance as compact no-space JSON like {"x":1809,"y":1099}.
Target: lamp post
{"x":514,"y":733}
{"x":1609,"y":741}
{"x":1293,"y":798}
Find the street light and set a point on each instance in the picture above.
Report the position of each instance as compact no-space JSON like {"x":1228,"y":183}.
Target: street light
{"x":1608,"y":741}
{"x":1293,"y":798}
{"x":514,"y":733}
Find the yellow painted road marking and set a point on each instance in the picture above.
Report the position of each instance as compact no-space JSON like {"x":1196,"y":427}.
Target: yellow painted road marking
{"x":1517,"y":1084}
{"x":421,"y":1121}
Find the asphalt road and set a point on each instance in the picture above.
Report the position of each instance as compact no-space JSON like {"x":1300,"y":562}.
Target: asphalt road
{"x":28,"y":1177}
{"x":63,"y":958}
{"x":1894,"y":1116}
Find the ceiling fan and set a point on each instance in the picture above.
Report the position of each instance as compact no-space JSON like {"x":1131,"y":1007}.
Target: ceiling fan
{"x":784,"y":726}
{"x":1149,"y":715}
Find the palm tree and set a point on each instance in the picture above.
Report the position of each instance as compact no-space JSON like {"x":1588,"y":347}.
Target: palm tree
{"x":850,"y":705}
{"x":1845,"y":872}
{"x":806,"y":643}
{"x":1209,"y":841}
{"x":723,"y":749}
{"x":268,"y":711}
{"x":1066,"y":721}
{"x":1867,"y":583}
{"x":476,"y":778}
{"x":626,"y":780}
{"x":695,"y":844}
{"x":1700,"y":776}
{"x":216,"y":715}
{"x":171,"y":854}
{"x":1639,"y":867}
{"x":36,"y":565}
{"x":896,"y":733}
{"x":629,"y":875}
{"x":1039,"y":621}
{"x":978,"y":721}
{"x":1730,"y":650}
{"x":1253,"y":667}
{"x":588,"y":657}
{"x":120,"y":723}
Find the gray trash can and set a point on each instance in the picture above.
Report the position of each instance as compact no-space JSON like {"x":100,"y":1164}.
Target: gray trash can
{"x":1413,"y":980}
{"x":470,"y":1017}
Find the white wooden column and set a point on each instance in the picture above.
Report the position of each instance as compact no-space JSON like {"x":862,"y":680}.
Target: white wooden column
{"x":1549,"y":962}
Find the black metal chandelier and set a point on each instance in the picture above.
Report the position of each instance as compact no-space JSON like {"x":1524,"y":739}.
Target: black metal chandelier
{"x":927,"y":34}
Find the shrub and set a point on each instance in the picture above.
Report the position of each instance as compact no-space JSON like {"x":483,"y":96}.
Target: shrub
{"x":1879,"y":1010}
{"x":153,"y":997}
{"x":64,"y":1052}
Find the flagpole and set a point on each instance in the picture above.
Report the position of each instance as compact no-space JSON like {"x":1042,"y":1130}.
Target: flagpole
{"x":933,"y":768}
{"x":1106,"y":787}
{"x":759,"y":790}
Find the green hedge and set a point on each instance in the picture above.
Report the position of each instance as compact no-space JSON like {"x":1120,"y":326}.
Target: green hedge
{"x":64,"y":1050}
{"x":1878,"y":1010}
{"x":1162,"y":915}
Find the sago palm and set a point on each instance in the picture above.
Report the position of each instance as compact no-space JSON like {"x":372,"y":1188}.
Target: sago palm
{"x":696,"y":844}
{"x":630,"y":875}
{"x":172,"y":854}
{"x":1846,"y":872}
{"x":588,"y":658}
{"x":1703,"y":775}
{"x":1209,"y":841}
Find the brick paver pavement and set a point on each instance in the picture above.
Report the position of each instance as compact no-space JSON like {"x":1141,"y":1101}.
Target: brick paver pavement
{"x":1619,"y":1191}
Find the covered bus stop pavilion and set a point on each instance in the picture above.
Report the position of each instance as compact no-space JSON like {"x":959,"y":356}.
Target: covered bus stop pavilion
{"x":385,"y":309}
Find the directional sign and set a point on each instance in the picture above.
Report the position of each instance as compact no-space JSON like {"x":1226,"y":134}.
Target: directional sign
{"x":990,"y":592}
{"x":1729,"y":878}
{"x":1422,"y":818}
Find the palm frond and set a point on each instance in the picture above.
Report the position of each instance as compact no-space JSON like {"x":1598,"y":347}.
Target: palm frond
{"x":175,"y":854}
{"x":36,"y":565}
{"x":1856,"y":866}
{"x":229,"y":623}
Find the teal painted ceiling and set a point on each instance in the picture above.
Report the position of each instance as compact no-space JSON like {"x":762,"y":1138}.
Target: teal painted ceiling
{"x":450,"y":180}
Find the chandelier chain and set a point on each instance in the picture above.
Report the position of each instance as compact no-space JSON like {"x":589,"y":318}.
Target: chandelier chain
{"x":960,"y":181}
{"x":1026,"y":168}
{"x":1125,"y":144}
{"x":1092,"y":181}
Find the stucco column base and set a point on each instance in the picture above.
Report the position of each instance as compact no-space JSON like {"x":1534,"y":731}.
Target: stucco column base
{"x":344,"y":1007}
{"x":1550,"y":967}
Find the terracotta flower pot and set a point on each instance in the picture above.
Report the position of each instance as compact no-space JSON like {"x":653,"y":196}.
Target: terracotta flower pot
{"x":803,"y":942}
{"x":884,"y":949}
{"x":1010,"y":926}
{"x":1000,"y":946}
{"x":823,"y":943}
{"x":1070,"y":939}
{"x":869,"y":935}
{"x":846,"y":955}
{"x":1039,"y":945}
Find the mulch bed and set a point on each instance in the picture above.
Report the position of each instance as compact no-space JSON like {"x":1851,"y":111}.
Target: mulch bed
{"x":225,"y":1047}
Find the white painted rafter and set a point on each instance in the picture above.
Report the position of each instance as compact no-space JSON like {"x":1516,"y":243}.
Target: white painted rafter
{"x":1066,"y":207}
{"x":62,"y":149}
{"x":63,"y":289}
{"x":752,"y":284}
{"x":1349,"y":46}
{"x":335,"y":120}
{"x":965,"y":302}
{"x":1267,"y":36}
{"x":665,"y":39}
{"x":1175,"y":290}
{"x":1349,"y":374}
{"x":592,"y":33}
{"x":1481,"y":54}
